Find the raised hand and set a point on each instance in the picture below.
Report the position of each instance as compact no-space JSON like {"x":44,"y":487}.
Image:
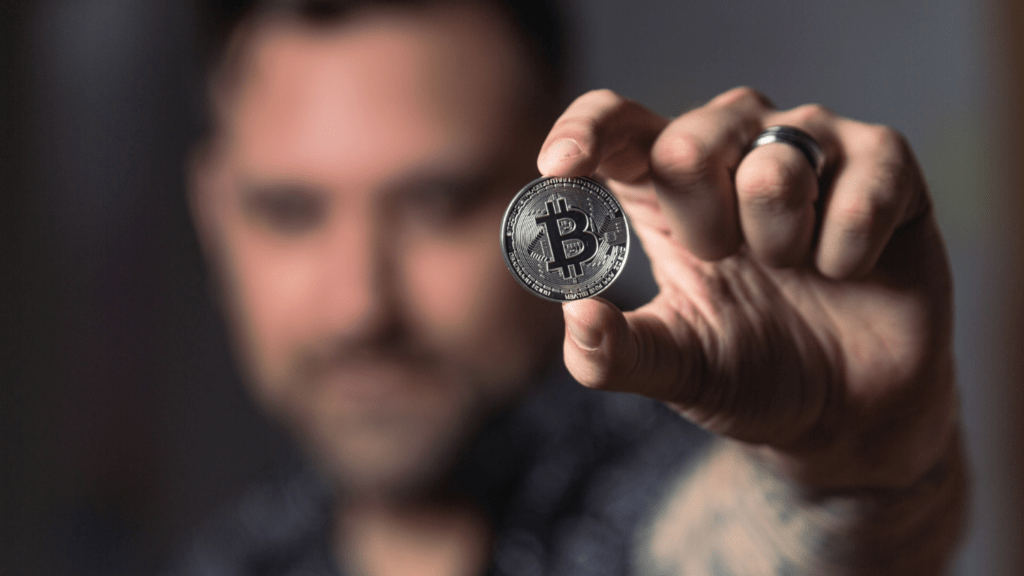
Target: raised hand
{"x":810,"y":318}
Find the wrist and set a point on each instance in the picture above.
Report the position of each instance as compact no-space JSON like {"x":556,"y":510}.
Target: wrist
{"x":887,"y":452}
{"x":734,"y":512}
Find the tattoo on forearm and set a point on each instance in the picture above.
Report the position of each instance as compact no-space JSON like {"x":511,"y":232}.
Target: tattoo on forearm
{"x":732,"y":516}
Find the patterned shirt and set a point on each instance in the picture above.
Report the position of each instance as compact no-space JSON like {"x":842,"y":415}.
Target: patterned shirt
{"x":568,"y":477}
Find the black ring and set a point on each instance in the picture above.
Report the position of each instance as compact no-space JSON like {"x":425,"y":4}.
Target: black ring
{"x":798,"y":139}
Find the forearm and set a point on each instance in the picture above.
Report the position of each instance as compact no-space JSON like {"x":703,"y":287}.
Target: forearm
{"x":732,"y":515}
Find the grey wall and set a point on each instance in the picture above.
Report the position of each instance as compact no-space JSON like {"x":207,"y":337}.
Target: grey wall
{"x":127,"y":420}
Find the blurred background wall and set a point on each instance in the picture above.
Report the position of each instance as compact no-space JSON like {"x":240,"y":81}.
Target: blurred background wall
{"x":123,"y":419}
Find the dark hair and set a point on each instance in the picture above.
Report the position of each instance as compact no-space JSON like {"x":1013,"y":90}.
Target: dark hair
{"x":538,"y":22}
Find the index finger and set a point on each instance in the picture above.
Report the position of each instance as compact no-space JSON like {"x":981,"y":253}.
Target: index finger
{"x":604,"y":131}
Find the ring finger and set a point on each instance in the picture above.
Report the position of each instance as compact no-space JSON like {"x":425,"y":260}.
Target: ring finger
{"x":777,"y":188}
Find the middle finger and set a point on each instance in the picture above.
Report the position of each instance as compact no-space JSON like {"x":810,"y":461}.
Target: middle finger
{"x":693,"y":163}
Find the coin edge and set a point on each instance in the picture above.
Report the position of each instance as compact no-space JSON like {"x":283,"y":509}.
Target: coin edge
{"x":503,"y":237}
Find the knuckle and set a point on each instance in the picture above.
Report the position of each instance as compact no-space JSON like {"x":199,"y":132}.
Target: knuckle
{"x":883,"y":142}
{"x":682,"y":156}
{"x":770,"y":183}
{"x":593,"y":370}
{"x":861,"y":216}
{"x":892,"y":168}
{"x":743,"y":94}
{"x":810,"y":114}
{"x":582,"y":129}
{"x":887,"y":182}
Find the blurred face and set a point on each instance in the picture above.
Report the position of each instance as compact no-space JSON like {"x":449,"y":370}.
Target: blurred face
{"x":351,"y":201}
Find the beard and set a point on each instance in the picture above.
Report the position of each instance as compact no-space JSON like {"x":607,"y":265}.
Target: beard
{"x":389,"y":417}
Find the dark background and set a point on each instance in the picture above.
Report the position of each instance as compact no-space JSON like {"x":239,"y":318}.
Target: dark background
{"x":123,"y":421}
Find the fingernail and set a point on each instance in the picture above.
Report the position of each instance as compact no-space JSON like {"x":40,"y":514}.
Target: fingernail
{"x":583,"y":336}
{"x":561,"y":151}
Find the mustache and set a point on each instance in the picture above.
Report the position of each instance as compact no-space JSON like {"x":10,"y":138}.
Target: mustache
{"x":330,"y":354}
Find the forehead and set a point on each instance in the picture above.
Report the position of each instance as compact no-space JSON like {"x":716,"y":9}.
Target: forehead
{"x":429,"y":86}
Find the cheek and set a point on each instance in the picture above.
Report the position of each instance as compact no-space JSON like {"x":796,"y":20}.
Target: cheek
{"x":268,"y":288}
{"x":461,"y":294}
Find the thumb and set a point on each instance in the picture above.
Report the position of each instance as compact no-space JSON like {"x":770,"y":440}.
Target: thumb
{"x":633,"y":352}
{"x":745,"y":395}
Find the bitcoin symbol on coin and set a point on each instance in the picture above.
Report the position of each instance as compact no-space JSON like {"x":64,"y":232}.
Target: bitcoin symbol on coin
{"x":568,"y":225}
{"x":565,"y":238}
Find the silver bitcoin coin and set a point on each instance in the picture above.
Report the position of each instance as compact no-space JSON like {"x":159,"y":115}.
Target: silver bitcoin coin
{"x":565,"y":238}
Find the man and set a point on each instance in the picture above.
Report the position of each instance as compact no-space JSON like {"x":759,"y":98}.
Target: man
{"x":349,"y":195}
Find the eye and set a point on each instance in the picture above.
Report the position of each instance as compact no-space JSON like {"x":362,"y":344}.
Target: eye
{"x":287,"y":210}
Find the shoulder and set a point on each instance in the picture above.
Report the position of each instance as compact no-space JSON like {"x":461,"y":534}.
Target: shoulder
{"x":276,"y":525}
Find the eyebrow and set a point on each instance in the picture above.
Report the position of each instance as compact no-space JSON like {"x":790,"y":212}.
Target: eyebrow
{"x":253,"y":189}
{"x":485,"y":179}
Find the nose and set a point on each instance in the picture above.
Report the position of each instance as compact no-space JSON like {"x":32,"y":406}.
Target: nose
{"x":358,"y":297}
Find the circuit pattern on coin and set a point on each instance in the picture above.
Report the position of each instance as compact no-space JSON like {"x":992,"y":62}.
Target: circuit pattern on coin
{"x":565,"y":238}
